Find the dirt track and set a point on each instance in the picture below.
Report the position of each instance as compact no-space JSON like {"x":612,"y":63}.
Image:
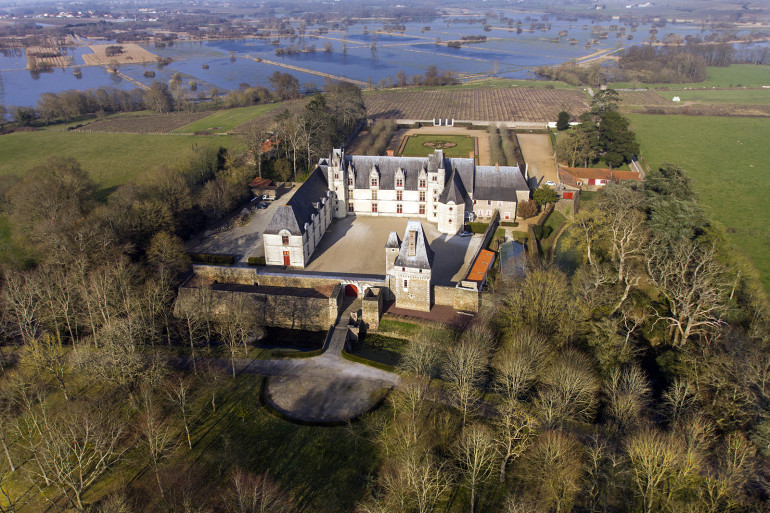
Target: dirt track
{"x":538,"y":154}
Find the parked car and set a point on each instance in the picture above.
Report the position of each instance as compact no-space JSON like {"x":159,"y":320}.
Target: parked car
{"x":465,"y":234}
{"x":262,"y":205}
{"x":551,"y":183}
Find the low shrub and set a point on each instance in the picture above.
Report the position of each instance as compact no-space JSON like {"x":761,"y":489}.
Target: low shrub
{"x":257,"y":261}
{"x":513,"y":224}
{"x":209,"y":258}
{"x":542,"y":232}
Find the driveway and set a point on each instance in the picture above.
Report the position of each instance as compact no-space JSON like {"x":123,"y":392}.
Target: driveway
{"x":242,"y":241}
{"x":538,"y":153}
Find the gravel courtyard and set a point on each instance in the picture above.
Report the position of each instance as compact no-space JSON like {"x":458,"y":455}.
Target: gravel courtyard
{"x":357,"y":245}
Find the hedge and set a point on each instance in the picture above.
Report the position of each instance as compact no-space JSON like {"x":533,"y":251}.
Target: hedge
{"x":509,"y":223}
{"x":477,"y":227}
{"x":257,"y":261}
{"x":370,"y":363}
{"x":282,"y":354}
{"x":210,"y":258}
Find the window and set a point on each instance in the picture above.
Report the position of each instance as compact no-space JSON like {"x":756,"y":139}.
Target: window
{"x":399,"y":195}
{"x":450,"y":220}
{"x":406,"y":284}
{"x":399,"y":209}
{"x":489,"y":202}
{"x":434,"y":214}
{"x":489,"y":213}
{"x":435,"y":178}
{"x":350,"y":181}
{"x":350,"y":207}
{"x":507,"y":215}
{"x":422,"y":195}
{"x":374,"y":207}
{"x":422,"y":183}
{"x":412,"y":243}
{"x":422,"y":210}
{"x":399,"y":182}
{"x":374,"y":181}
{"x":336,"y":176}
{"x":285,"y":240}
{"x":374,"y":195}
{"x":451,"y":209}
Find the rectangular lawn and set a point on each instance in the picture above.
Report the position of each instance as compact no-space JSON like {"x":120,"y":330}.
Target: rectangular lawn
{"x":453,"y":145}
{"x":224,"y":121}
{"x":727,"y":160}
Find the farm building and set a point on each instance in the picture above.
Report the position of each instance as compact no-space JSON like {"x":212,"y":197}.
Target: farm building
{"x":590,"y":178}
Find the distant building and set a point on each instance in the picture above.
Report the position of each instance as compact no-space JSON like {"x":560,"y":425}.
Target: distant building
{"x":408,"y":264}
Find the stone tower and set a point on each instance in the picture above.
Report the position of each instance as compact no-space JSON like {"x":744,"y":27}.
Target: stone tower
{"x":338,"y":182}
{"x":410,"y":273}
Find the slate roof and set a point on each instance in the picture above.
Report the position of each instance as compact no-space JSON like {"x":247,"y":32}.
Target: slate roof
{"x":387,"y":167}
{"x":454,"y":191}
{"x":300,"y":208}
{"x":393,"y":241}
{"x":423,"y":255}
{"x":498,"y":183}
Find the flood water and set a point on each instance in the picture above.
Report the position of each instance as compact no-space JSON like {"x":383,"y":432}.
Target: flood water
{"x":369,"y":55}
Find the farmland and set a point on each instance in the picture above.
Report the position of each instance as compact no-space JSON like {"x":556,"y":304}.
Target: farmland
{"x":501,"y":104}
{"x":110,"y":159}
{"x":142,"y":123}
{"x":642,"y":98}
{"x":131,"y":54}
{"x":735,"y":75}
{"x":453,"y":145}
{"x":726,"y":157}
{"x":224,"y":121}
{"x":742,"y":96}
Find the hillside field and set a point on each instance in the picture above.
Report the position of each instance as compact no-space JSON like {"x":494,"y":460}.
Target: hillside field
{"x":745,"y":75}
{"x":224,"y":121}
{"x":727,"y":159}
{"x":111,"y":159}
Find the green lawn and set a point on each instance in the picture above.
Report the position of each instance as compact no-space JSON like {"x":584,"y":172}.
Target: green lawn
{"x":224,"y":121}
{"x":727,"y":159}
{"x":110,"y":159}
{"x":463,"y":145}
{"x":746,"y":75}
{"x":756,"y":96}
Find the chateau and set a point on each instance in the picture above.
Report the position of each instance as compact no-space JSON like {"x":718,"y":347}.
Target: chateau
{"x":443,"y":191}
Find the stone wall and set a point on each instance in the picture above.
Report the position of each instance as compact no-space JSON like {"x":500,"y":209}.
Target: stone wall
{"x":282,"y":310}
{"x":467,"y":300}
{"x":372,"y":309}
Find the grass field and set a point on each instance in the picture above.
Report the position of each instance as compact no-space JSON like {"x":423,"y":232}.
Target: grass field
{"x":755,"y":96}
{"x":416,"y":145}
{"x":746,"y":75}
{"x":110,"y":159}
{"x":224,"y":121}
{"x":727,"y":159}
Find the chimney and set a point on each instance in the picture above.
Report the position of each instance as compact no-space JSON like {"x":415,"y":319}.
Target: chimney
{"x":390,"y":153}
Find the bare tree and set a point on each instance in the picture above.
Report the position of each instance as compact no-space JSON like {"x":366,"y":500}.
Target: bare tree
{"x":475,"y":457}
{"x":250,"y":493}
{"x":21,"y":308}
{"x":48,"y":357}
{"x":76,"y":447}
{"x":627,"y":392}
{"x":519,"y":362}
{"x":421,"y":354}
{"x":514,"y":429}
{"x":256,"y":137}
{"x":694,"y":285}
{"x":554,"y":470}
{"x":430,"y":482}
{"x":156,"y":430}
{"x":237,"y":326}
{"x":463,"y":367}
{"x":570,"y":390}
{"x":178,"y":391}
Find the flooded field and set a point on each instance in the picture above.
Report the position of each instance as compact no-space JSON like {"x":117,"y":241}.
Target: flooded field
{"x":364,"y":53}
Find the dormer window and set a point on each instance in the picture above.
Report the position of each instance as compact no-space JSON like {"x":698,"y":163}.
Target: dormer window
{"x":350,"y":181}
{"x":374,"y":181}
{"x":399,"y":182}
{"x":423,"y":183}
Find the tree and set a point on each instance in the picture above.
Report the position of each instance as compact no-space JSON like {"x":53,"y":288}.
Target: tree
{"x":576,"y":146}
{"x":475,"y":456}
{"x":562,"y":122}
{"x":250,"y":493}
{"x":167,"y":252}
{"x":518,"y":363}
{"x":693,"y":284}
{"x":527,"y":209}
{"x":514,"y":429}
{"x":256,"y":136}
{"x":463,"y":367}
{"x":617,"y":141}
{"x":178,"y":391}
{"x":569,"y":391}
{"x":554,"y":470}
{"x":156,"y":430}
{"x":285,"y":85}
{"x":544,"y":195}
{"x":237,"y":325}
{"x":604,"y":100}
{"x":159,"y":98}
